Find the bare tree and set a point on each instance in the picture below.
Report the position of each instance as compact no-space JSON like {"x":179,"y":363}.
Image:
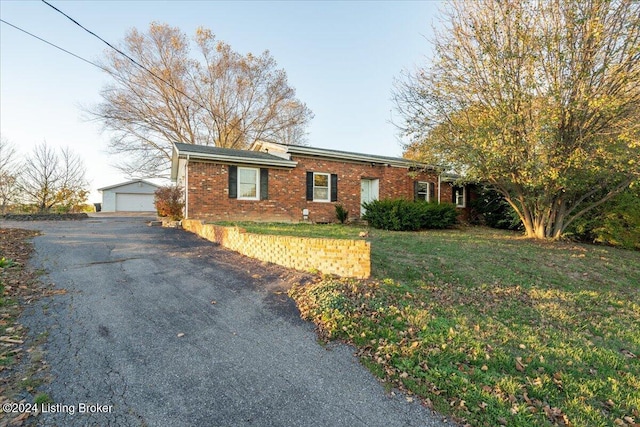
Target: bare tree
{"x":223,"y":98}
{"x":8,"y":175}
{"x":73,"y":186}
{"x":50,"y":180}
{"x":539,"y":98}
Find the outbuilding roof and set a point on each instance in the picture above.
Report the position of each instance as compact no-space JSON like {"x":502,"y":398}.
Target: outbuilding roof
{"x":122,"y":184}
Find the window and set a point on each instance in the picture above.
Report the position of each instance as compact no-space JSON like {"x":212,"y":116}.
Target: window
{"x":248,"y":183}
{"x":422,"y":191}
{"x":459,"y":196}
{"x":321,"y":187}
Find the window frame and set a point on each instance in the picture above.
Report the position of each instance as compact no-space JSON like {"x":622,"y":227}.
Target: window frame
{"x":328,"y":187}
{"x":460,"y":192}
{"x":257,"y":183}
{"x":427,"y":191}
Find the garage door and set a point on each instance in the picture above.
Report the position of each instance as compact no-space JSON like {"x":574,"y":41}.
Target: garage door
{"x":126,"y":202}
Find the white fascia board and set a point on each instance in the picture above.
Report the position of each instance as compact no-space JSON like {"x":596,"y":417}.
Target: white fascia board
{"x":238,"y":160}
{"x":355,"y":157}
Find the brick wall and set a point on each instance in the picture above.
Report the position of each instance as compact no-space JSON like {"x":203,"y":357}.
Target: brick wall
{"x":346,"y":258}
{"x":209,"y":193}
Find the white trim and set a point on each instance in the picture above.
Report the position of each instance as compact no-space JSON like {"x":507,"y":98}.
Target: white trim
{"x":186,"y":188}
{"x":464,"y":196}
{"x":428,"y":193}
{"x":257,"y":183}
{"x":328,"y":175}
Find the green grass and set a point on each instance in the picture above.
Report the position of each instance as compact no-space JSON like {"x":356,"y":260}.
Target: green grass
{"x":488,"y":327}
{"x":331,"y":231}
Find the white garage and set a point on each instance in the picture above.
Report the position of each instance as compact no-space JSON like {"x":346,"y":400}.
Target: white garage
{"x":131,"y":196}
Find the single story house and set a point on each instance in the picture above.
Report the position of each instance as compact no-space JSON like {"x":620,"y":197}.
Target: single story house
{"x":291,"y":183}
{"x":130,"y":196}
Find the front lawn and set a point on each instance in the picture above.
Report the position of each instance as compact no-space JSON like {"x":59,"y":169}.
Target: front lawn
{"x":488,"y":327}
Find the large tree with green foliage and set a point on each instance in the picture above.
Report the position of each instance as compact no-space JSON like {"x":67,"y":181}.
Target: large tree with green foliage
{"x":539,"y":98}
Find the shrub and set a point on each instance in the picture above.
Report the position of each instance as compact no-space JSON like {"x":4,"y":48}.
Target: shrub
{"x":615,"y":222}
{"x":405,"y":215}
{"x":491,"y":209}
{"x":341,"y":213}
{"x":168,"y":201}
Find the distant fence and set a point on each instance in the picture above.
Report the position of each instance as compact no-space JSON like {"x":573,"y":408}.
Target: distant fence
{"x":346,"y":258}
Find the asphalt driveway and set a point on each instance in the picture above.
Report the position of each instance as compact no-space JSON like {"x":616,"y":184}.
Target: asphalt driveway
{"x":161,"y":328}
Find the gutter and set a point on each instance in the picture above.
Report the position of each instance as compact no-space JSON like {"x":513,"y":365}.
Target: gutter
{"x":355,"y":157}
{"x":242,"y":160}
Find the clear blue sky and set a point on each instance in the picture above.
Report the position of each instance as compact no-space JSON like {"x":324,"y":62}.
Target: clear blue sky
{"x":340,"y":56}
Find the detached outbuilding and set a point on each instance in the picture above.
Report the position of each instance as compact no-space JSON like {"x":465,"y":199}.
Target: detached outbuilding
{"x":131,"y":196}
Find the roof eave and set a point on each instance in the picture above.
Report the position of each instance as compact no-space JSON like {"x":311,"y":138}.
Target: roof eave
{"x":133,"y":181}
{"x":236,"y":159}
{"x":356,"y":157}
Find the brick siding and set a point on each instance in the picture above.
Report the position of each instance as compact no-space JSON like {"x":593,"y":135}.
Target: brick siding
{"x":209,"y":193}
{"x":346,"y":258}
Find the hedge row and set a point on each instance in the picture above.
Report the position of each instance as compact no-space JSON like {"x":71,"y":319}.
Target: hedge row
{"x":406,"y":215}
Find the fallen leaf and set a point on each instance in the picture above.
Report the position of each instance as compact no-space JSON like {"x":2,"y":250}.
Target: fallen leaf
{"x":519,"y":365}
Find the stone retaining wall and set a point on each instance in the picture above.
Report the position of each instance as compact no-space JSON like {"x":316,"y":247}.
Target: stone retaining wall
{"x":346,"y":258}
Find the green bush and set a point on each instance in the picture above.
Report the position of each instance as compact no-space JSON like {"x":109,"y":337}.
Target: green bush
{"x":405,"y":215}
{"x":615,"y":222}
{"x":341,"y":213}
{"x":168,"y":201}
{"x":491,"y":209}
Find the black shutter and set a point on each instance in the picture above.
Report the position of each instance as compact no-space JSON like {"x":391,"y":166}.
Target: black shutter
{"x":432,"y":192}
{"x":334,"y":187}
{"x":309,"y":185}
{"x":453,"y":195}
{"x":416,"y":196}
{"x":233,"y":182}
{"x":264,"y":184}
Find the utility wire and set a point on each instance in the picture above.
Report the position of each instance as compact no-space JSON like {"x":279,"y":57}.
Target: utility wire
{"x":127,"y":56}
{"x":56,"y":46}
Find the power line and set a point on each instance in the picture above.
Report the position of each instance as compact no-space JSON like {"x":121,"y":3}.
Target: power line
{"x":127,"y":56}
{"x":54,"y":45}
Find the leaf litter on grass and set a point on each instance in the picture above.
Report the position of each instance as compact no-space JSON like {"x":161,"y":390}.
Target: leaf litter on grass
{"x":533,"y":345}
{"x":19,"y":286}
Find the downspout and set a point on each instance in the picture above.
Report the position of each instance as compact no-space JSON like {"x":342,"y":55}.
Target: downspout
{"x":186,"y":188}
{"x":439,"y":184}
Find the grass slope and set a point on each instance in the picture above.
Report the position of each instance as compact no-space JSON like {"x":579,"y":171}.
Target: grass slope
{"x":488,"y":327}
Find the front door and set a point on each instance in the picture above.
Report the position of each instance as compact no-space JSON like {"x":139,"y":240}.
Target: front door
{"x":368,"y":192}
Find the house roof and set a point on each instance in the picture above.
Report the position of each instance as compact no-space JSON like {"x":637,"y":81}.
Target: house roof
{"x":348,"y":155}
{"x":258,"y":155}
{"x":122,"y":184}
{"x":205,"y":152}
